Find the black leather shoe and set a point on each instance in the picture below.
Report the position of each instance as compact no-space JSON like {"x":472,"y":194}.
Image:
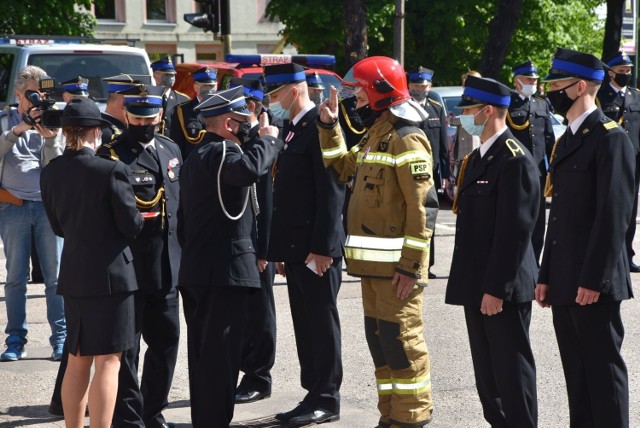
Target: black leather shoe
{"x":316,"y":416}
{"x":432,"y":275}
{"x":633,"y":267}
{"x":299,"y":410}
{"x":244,"y":396}
{"x":168,"y":425}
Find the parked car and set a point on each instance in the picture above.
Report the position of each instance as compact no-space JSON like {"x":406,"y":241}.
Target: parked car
{"x":65,"y":58}
{"x":251,"y":66}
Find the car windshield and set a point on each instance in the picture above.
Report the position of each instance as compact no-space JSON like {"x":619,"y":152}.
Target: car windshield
{"x":451,"y":104}
{"x":92,"y":66}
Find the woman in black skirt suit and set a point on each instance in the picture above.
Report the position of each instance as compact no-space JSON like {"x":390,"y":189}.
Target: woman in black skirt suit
{"x":90,"y":203}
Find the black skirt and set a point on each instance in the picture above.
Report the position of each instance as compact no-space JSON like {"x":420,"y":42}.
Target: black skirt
{"x":100,"y":325}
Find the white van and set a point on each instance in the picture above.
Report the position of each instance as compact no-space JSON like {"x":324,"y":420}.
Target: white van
{"x":66,"y":58}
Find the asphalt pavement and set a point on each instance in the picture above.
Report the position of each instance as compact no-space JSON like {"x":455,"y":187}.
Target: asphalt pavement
{"x":26,"y":385}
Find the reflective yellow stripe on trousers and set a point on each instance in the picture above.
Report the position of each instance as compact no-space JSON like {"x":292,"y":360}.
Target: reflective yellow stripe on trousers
{"x":403,"y":386}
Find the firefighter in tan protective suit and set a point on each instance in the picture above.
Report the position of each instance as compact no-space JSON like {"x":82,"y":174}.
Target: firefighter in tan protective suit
{"x":387,"y":222}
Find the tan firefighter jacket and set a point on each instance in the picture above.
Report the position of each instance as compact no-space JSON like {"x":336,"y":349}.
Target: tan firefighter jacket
{"x":387,"y":214}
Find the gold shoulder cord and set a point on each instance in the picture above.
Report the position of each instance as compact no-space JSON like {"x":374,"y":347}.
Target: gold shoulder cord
{"x":113,"y":153}
{"x":463,"y":167}
{"x":152,"y":203}
{"x":346,"y":118}
{"x":548,"y":184}
{"x":514,"y":126}
{"x":195,"y":140}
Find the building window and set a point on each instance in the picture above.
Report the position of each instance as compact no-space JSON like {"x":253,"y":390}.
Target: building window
{"x":109,"y":11}
{"x":160,"y":11}
{"x":158,"y":50}
{"x":208,"y":53}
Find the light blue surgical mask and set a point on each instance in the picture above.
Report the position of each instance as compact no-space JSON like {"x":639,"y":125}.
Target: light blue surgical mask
{"x":278,"y":111}
{"x":467,"y":121}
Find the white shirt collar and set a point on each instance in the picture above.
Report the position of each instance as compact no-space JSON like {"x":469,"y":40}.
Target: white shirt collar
{"x":623,"y":89}
{"x":523,"y":97}
{"x":484,"y":147}
{"x":151,"y":143}
{"x":304,"y":111}
{"x":575,"y":125}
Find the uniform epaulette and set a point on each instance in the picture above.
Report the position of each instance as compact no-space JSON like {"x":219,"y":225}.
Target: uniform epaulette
{"x":514,"y":147}
{"x":183,"y":94}
{"x":164,"y":137}
{"x":183,"y":103}
{"x":609,"y":124}
{"x":432,"y":101}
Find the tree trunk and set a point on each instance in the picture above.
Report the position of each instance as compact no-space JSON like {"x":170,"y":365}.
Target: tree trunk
{"x":613,"y":28}
{"x":501,"y":30}
{"x":355,"y":37}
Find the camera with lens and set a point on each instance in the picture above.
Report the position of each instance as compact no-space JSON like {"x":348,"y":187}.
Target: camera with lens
{"x":50,"y":117}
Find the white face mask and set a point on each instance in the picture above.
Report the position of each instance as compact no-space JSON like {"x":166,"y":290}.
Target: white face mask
{"x":528,"y":90}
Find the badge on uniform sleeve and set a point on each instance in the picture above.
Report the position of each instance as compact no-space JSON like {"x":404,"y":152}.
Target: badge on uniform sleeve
{"x":420,"y":170}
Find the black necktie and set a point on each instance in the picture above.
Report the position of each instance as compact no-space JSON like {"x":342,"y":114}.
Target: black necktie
{"x":152,"y":152}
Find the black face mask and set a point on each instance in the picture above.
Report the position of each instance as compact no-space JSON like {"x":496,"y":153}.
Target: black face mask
{"x":142,"y":133}
{"x":243,"y":131}
{"x":622,"y":80}
{"x":560,"y":100}
{"x":367,"y":116}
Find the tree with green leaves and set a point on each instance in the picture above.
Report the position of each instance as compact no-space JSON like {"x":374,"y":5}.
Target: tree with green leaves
{"x":54,"y":18}
{"x":320,"y":30}
{"x":449,"y":36}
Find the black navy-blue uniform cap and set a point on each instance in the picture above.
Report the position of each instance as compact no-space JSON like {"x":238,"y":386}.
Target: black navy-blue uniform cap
{"x":527,"y":68}
{"x":76,"y":86}
{"x":205,"y":75}
{"x":122,"y":82}
{"x":252,"y":88}
{"x":164,"y":65}
{"x":422,"y":76}
{"x":279,"y":75}
{"x":314,"y":80}
{"x":143,"y":100}
{"x":229,"y":100}
{"x":620,"y":58}
{"x":568,"y":64}
{"x":482,"y":90}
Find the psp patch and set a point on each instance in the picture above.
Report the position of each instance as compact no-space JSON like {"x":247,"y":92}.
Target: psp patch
{"x":420,"y":170}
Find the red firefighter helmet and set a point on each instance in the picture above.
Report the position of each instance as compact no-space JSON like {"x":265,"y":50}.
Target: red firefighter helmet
{"x":382,"y":78}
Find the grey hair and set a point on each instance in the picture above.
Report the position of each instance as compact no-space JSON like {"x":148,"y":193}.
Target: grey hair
{"x":30,"y":72}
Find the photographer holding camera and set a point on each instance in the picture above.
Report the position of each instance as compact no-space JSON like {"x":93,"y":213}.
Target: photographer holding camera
{"x":26,"y":146}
